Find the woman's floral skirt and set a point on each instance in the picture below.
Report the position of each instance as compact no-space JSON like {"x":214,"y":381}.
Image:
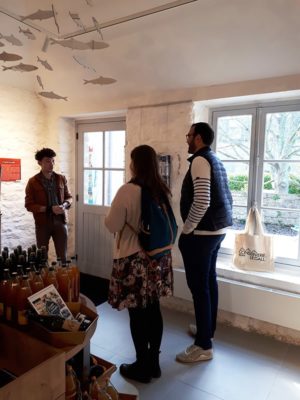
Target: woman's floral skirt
{"x":136,"y":282}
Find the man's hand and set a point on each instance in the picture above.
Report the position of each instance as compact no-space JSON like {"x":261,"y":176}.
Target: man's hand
{"x":58,"y":210}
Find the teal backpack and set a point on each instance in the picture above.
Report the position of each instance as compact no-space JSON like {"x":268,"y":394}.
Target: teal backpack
{"x":158,"y":229}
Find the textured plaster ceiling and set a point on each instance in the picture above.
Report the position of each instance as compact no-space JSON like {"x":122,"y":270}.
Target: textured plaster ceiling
{"x":202,"y":43}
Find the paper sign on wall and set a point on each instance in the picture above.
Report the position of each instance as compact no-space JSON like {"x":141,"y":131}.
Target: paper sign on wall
{"x":10,"y":169}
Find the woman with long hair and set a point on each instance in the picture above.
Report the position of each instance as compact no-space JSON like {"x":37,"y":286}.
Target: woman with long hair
{"x":137,"y":283}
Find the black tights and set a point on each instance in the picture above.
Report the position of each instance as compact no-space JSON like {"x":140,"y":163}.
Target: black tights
{"x":146,"y":326}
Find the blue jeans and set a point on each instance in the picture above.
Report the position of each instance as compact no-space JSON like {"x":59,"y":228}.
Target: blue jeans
{"x":199,"y":255}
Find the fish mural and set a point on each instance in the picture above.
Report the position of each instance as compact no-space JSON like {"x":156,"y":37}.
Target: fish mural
{"x":27,"y":33}
{"x":45,"y":63}
{"x":77,"y":45}
{"x":9,"y":56}
{"x":40,"y":15}
{"x":52,"y":95}
{"x":100,"y":81}
{"x":40,"y":81}
{"x":75,"y":17}
{"x":97,"y":26}
{"x":83,"y":63}
{"x":12,"y":40}
{"x":21,"y":68}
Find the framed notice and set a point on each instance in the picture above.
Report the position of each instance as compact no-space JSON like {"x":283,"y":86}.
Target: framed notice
{"x":10,"y":169}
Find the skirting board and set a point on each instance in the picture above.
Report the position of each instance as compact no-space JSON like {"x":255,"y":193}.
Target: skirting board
{"x":270,"y":306}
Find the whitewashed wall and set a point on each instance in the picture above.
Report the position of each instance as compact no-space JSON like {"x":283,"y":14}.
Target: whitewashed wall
{"x":24,"y":130}
{"x":164,"y":128}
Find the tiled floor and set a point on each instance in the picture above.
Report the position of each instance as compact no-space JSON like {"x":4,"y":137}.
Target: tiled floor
{"x":246,"y":366}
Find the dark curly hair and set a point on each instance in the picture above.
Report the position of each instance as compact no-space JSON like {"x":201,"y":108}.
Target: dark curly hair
{"x":44,"y":152}
{"x":205,"y":131}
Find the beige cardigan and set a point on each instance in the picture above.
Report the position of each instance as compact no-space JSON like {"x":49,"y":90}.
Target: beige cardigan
{"x":126,"y":206}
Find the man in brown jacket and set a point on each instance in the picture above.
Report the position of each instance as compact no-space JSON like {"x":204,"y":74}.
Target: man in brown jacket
{"x":48,"y":198}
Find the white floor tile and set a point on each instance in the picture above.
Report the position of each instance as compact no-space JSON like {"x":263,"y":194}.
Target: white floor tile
{"x":246,"y":366}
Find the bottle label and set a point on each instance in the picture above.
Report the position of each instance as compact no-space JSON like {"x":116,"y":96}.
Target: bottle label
{"x":22,"y":317}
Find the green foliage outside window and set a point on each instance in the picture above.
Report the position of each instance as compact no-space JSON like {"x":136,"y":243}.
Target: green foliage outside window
{"x":238,"y":183}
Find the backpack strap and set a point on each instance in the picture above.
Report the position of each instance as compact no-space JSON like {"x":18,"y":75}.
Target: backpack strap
{"x":122,"y":230}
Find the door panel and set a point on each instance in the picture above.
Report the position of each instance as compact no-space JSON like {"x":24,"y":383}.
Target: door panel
{"x":100,"y":172}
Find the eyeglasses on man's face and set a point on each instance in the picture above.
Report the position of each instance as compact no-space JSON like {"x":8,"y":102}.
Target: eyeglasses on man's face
{"x":189,"y":135}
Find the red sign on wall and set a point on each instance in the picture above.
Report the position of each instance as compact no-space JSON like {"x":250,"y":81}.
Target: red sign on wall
{"x":10,"y":169}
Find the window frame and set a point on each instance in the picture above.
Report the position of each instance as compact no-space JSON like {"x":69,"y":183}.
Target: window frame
{"x":258,"y":110}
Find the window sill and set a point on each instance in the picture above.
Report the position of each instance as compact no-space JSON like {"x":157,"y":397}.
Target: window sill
{"x":284,"y":278}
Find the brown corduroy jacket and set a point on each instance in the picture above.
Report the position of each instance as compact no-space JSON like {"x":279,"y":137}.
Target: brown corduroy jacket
{"x":36,"y":196}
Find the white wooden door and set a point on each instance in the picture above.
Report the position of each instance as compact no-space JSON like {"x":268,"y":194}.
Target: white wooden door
{"x":100,"y":172}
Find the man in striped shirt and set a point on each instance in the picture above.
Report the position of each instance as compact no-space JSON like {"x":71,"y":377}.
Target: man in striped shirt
{"x":206,"y":210}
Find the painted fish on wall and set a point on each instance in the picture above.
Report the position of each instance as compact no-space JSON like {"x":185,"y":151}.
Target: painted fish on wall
{"x":100,"y":81}
{"x":75,"y":17}
{"x":83,"y":63}
{"x":39,"y":14}
{"x":45,"y":63}
{"x":52,"y":95}
{"x":77,"y":45}
{"x":9,"y":56}
{"x":12,"y":40}
{"x":40,"y":81}
{"x":21,"y":68}
{"x":27,"y":33}
{"x":97,"y":26}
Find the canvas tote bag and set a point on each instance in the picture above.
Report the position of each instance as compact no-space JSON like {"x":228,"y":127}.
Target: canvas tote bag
{"x":253,"y":250}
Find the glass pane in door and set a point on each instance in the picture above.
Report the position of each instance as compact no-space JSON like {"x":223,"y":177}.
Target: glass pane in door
{"x":113,"y":180}
{"x":93,"y":149}
{"x":92,"y":186}
{"x":115,"y":149}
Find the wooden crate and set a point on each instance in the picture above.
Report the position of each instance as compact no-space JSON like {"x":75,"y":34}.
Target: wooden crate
{"x":40,"y":368}
{"x":64,"y":339}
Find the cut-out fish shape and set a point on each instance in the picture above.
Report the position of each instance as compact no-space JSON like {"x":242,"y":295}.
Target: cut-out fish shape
{"x":77,"y":45}
{"x":75,"y":17}
{"x":100,"y":81}
{"x":21,"y":67}
{"x":40,"y":14}
{"x":52,"y":95}
{"x":27,"y":33}
{"x":12,"y":40}
{"x":83,"y":63}
{"x":45,"y":63}
{"x":40,"y":81}
{"x":97,"y":26}
{"x":9,"y":56}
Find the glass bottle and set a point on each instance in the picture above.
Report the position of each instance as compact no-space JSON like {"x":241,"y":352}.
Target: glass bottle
{"x":51,"y":278}
{"x":11,"y":298}
{"x":22,"y":305}
{"x":76,"y":273}
{"x":64,"y":283}
{"x":71,"y":383}
{"x":3,"y":291}
{"x":72,"y":280}
{"x":37,"y":282}
{"x":44,"y":270}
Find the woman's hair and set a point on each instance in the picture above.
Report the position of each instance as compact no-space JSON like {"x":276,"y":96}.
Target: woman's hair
{"x":146,"y":171}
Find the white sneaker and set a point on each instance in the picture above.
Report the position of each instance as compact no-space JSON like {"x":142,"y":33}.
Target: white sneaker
{"x":192,"y":329}
{"x":193,"y":354}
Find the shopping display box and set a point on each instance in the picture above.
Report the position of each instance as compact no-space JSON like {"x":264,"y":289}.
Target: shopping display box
{"x":39,"y":367}
{"x":65,"y":339}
